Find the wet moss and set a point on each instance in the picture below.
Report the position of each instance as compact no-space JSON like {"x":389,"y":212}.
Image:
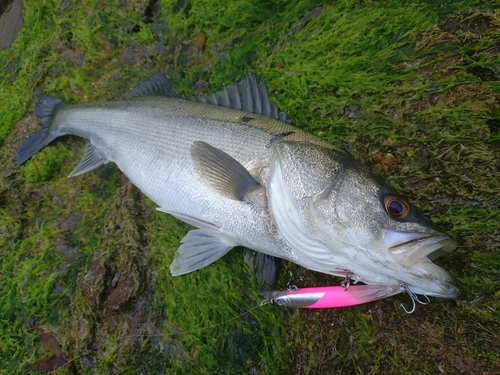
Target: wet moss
{"x":87,"y":259}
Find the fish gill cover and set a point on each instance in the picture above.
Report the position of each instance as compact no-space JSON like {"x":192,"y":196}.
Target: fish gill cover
{"x":409,"y":88}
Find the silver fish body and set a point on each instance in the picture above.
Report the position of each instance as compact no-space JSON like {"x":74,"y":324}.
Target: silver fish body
{"x":245,"y":178}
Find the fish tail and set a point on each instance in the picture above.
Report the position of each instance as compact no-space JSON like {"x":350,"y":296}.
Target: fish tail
{"x":45,"y":109}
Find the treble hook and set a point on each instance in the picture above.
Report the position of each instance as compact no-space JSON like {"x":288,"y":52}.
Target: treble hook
{"x":295,"y":288}
{"x":346,"y":283}
{"x":267,"y":301}
{"x":290,"y":285}
{"x":414,"y":299}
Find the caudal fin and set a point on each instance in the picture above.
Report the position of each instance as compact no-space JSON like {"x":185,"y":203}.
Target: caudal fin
{"x":45,"y":110}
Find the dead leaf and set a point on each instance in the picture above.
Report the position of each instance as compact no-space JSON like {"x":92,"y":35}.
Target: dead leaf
{"x":200,"y":41}
{"x":385,"y":159}
{"x":48,"y":364}
{"x":50,"y":343}
{"x":56,"y":360}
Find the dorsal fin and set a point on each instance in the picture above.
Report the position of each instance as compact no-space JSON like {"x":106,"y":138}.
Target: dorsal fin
{"x":247,"y":95}
{"x":156,"y":85}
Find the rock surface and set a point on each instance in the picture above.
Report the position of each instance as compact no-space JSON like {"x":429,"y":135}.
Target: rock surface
{"x":11,"y":21}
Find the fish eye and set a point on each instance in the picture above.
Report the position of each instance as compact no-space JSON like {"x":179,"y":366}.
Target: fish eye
{"x":397,"y":207}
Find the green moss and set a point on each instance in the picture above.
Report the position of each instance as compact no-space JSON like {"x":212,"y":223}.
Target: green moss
{"x":43,"y":166}
{"x":415,"y":79}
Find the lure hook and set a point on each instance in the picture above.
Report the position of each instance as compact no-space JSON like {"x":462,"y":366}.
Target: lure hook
{"x":346,"y":283}
{"x":414,"y":299}
{"x":267,"y":301}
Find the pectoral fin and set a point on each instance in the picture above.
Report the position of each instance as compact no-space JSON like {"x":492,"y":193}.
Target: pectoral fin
{"x":221,"y":172}
{"x":92,"y":158}
{"x":198,"y":249}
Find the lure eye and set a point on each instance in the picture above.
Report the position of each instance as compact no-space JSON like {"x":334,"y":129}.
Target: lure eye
{"x":397,"y":207}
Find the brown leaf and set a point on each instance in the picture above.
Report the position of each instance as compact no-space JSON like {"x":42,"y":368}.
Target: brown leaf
{"x":386,"y":159}
{"x":48,"y":364}
{"x":124,"y":291}
{"x":50,"y":343}
{"x":56,"y":360}
{"x":200,"y":41}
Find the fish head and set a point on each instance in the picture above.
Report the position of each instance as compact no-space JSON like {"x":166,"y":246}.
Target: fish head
{"x":341,"y":217}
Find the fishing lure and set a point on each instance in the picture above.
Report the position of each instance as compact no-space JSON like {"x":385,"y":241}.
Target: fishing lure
{"x":333,"y":296}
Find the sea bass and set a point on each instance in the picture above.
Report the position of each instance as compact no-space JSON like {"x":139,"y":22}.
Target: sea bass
{"x":233,"y":167}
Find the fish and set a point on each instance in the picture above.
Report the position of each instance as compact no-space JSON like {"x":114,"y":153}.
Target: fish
{"x":232,"y":165}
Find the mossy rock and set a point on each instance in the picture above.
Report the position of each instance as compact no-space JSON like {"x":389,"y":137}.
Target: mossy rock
{"x":409,"y":88}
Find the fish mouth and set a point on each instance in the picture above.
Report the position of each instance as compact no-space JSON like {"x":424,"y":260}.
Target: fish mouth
{"x":415,"y":252}
{"x":410,"y":248}
{"x":434,"y":281}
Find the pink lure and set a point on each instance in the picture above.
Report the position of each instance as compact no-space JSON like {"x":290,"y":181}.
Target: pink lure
{"x":334,"y":296}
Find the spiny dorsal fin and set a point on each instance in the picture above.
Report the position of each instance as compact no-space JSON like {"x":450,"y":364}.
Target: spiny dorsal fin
{"x":156,"y":85}
{"x":247,"y":95}
{"x":221,"y":172}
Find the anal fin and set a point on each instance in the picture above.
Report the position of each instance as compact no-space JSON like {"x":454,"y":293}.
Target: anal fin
{"x":92,"y":158}
{"x":198,"y":249}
